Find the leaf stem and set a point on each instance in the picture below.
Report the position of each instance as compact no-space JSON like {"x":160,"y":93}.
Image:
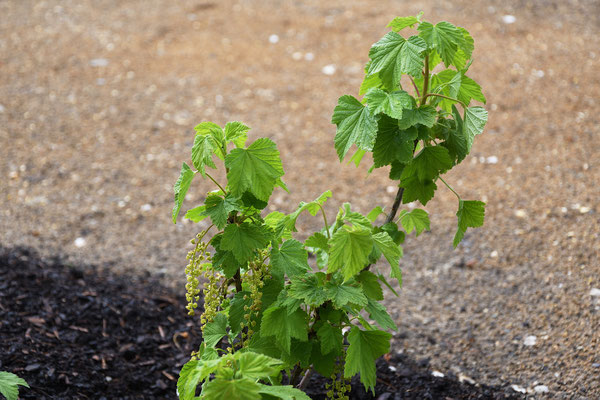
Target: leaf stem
{"x":415,"y":86}
{"x":216,"y":183}
{"x":449,"y":187}
{"x":446,"y":97}
{"x":326,"y":224}
{"x":425,"y":79}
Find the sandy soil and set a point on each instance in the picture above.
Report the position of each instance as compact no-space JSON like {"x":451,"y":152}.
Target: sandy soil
{"x":98,"y":100}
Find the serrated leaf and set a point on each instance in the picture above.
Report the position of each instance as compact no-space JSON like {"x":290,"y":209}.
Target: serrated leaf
{"x":392,"y":143}
{"x":396,"y":170}
{"x":465,"y":49}
{"x":243,"y":239}
{"x":218,"y":208}
{"x":374,"y":213}
{"x":322,"y":363}
{"x":412,"y":56}
{"x":215,"y":330}
{"x":277,"y":322}
{"x":474,"y":122}
{"x":379,"y":314}
{"x":386,"y":283}
{"x":390,"y":250}
{"x":444,"y":37}
{"x":317,"y":240}
{"x":256,"y":366}
{"x":308,"y":289}
{"x":181,"y":187}
{"x":9,"y":385}
{"x":255,"y":169}
{"x":400,"y":23}
{"x":237,"y":133}
{"x":239,"y":389}
{"x":330,"y":337}
{"x":312,"y":207}
{"x":284,"y":392}
{"x":365,"y":347}
{"x":471,"y":214}
{"x":469,"y":89}
{"x":203,"y":151}
{"x":214,"y":131}
{"x":386,"y":60}
{"x":370,"y":285}
{"x":355,"y":125}
{"x":456,"y":142}
{"x":416,"y":220}
{"x":237,"y":312}
{"x":350,"y":249}
{"x":431,"y":162}
{"x":196,"y":214}
{"x":391,"y":104}
{"x":344,"y":294}
{"x":191,"y":374}
{"x":355,"y":218}
{"x":291,"y":258}
{"x":415,"y":189}
{"x":424,"y":115}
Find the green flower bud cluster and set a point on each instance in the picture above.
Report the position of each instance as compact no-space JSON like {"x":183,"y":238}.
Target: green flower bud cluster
{"x":257,"y":272}
{"x":213,"y":297}
{"x":339,"y":385}
{"x":197,"y":259}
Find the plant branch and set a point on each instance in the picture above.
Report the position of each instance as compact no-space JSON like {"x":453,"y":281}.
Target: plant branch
{"x":446,"y":97}
{"x":425,"y":79}
{"x":305,"y":379}
{"x":395,"y":206}
{"x":415,"y":86}
{"x":216,"y":183}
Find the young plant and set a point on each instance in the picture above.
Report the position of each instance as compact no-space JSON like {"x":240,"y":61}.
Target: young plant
{"x":9,"y":385}
{"x":270,"y":318}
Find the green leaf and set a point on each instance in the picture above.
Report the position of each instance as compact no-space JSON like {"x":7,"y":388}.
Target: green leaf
{"x":474,"y":122}
{"x":344,"y":294}
{"x":283,"y":392}
{"x":243,"y":239}
{"x":322,"y":363}
{"x":9,"y":385}
{"x":291,"y":258}
{"x":379,"y":314}
{"x":218,"y":208}
{"x":456,"y":142}
{"x":237,"y":133}
{"x":431,"y":162}
{"x":400,"y":23}
{"x":255,"y":169}
{"x":391,"y":104}
{"x":196,"y":214}
{"x":396,"y":170}
{"x":415,"y":189}
{"x":215,"y":330}
{"x":257,"y":366}
{"x":350,"y":249}
{"x":331,"y":338}
{"x":471,"y":214}
{"x":444,"y":37}
{"x":355,"y":218}
{"x":392,"y":143}
{"x":386,"y":283}
{"x":374,"y":213}
{"x":191,"y":374}
{"x":424,"y":115}
{"x":317,"y":240}
{"x":370,"y":285}
{"x":237,"y":312}
{"x":417,"y":220}
{"x":308,"y":289}
{"x":412,"y":56}
{"x":465,"y":49}
{"x":386,"y":60}
{"x":365,"y":347}
{"x":390,"y":250}
{"x":469,"y":89}
{"x":239,"y":389}
{"x":203,"y":151}
{"x":181,"y":187}
{"x":355,"y":125}
{"x":277,"y":322}
{"x":369,"y":82}
{"x":312,"y":207}
{"x":214,"y":131}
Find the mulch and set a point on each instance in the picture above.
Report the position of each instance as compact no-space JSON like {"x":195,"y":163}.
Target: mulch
{"x":86,"y":333}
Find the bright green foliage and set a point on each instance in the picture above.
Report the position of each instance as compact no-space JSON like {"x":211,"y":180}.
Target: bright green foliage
{"x":9,"y":385}
{"x":267,"y":306}
{"x":416,"y":220}
{"x":365,"y":347}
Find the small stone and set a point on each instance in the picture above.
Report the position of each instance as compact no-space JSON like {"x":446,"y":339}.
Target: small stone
{"x":584,"y":210}
{"x":108,"y":379}
{"x":146,"y":207}
{"x":464,"y":378}
{"x":392,"y":368}
{"x":492,"y":160}
{"x":273,"y":39}
{"x":518,"y":389}
{"x":2,"y":109}
{"x":309,"y":56}
{"x":297,"y":56}
{"x":437,"y":374}
{"x":79,"y":242}
{"x":391,"y":189}
{"x":509,"y":19}
{"x":541,"y":389}
{"x":596,"y":365}
{"x":494,"y":254}
{"x":521,"y":214}
{"x":32,"y":367}
{"x":530,"y":340}
{"x":595,"y":292}
{"x":328,"y":69}
{"x":99,"y":62}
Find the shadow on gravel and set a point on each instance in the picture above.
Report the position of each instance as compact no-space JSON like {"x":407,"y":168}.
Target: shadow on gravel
{"x":87,"y":333}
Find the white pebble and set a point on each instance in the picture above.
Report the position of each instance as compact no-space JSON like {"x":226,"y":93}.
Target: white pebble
{"x":530,"y":340}
{"x":2,"y":108}
{"x":273,"y":39}
{"x":99,"y":62}
{"x":391,"y":189}
{"x":492,"y":160}
{"x":518,"y":389}
{"x":79,"y":242}
{"x":521,"y":214}
{"x":146,"y":207}
{"x":584,"y":210}
{"x":464,"y":378}
{"x":328,"y":69}
{"x":297,"y":56}
{"x":392,"y":368}
{"x":309,"y":56}
{"x":541,"y":389}
{"x":494,"y":254}
{"x":509,"y":19}
{"x":595,"y":292}
{"x":437,"y":374}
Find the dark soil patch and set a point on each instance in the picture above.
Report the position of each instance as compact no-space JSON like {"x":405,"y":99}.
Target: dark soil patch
{"x":90,"y":334}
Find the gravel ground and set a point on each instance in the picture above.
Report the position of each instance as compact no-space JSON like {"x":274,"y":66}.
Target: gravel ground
{"x":98,"y":100}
